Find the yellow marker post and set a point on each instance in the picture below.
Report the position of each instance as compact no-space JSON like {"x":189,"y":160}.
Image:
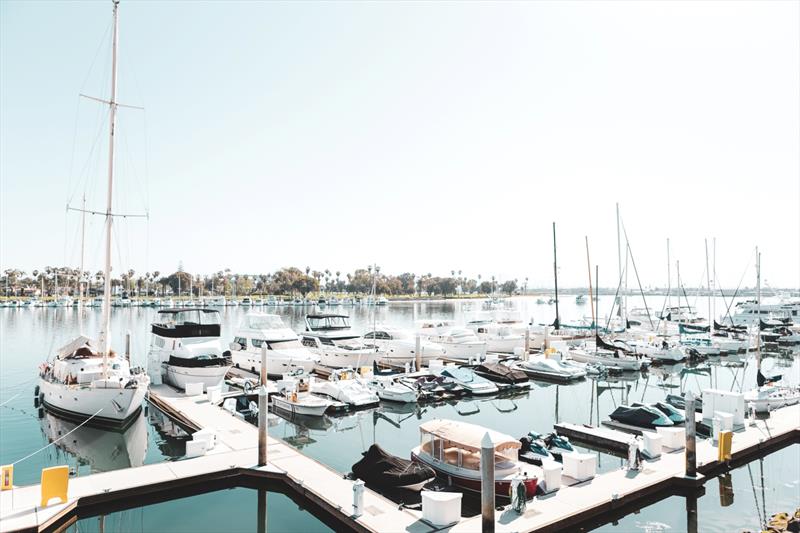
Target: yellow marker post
{"x":725,"y":446}
{"x":7,"y":479}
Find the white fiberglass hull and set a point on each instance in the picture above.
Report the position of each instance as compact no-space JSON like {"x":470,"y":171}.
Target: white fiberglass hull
{"x":311,"y":407}
{"x":277,"y":363}
{"x":767,"y":398}
{"x":209,"y":376}
{"x":464,"y":350}
{"x":110,"y":405}
{"x":347,"y":391}
{"x":623,"y":363}
{"x":503,"y":344}
{"x":343,"y":359}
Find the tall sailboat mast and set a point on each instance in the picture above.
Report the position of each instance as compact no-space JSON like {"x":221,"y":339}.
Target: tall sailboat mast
{"x":621,"y":307}
{"x":105,"y":331}
{"x":758,"y":300}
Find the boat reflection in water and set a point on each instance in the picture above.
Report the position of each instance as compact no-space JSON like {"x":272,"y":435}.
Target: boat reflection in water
{"x":103,"y":450}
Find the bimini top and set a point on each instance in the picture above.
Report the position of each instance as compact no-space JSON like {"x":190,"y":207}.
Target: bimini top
{"x":327,"y":315}
{"x":175,"y":310}
{"x":468,"y":436}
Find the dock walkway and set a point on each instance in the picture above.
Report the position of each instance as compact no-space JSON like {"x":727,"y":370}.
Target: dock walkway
{"x":235,"y":454}
{"x":235,"y":458}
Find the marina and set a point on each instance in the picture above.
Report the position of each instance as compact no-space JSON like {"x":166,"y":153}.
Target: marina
{"x":398,"y":291}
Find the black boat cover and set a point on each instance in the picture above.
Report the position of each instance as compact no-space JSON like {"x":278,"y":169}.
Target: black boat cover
{"x":691,"y":328}
{"x":501,"y":373}
{"x":382,"y":469}
{"x":679,"y":402}
{"x":736,"y":329}
{"x":640,"y":416}
{"x":194,"y":362}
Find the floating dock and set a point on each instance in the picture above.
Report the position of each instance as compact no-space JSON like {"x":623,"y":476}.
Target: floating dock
{"x":233,"y":462}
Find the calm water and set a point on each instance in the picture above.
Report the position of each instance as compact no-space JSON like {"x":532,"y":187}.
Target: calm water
{"x":29,"y":335}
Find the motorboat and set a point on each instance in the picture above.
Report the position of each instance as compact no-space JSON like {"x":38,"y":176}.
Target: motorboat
{"x":331,"y":338}
{"x":641,"y":416}
{"x":246,"y":301}
{"x":393,"y":389}
{"x":503,"y":336}
{"x":345,"y":386}
{"x":83,"y":382}
{"x":504,"y":374}
{"x":453,"y":449}
{"x":294,"y":397}
{"x":608,"y":358}
{"x":431,"y":386}
{"x":580,"y":299}
{"x":381,"y":469}
{"x":215,"y":301}
{"x":458,"y":343}
{"x":467,"y":378}
{"x":397,"y":346}
{"x":752,"y":311}
{"x":285,"y":352}
{"x":551,"y":368}
{"x":186,"y":345}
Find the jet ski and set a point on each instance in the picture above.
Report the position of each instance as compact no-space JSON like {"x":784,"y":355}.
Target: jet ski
{"x":672,"y":413}
{"x":679,"y":402}
{"x":534,"y":451}
{"x":645,"y":416}
{"x":555,"y":443}
{"x":381,"y":469}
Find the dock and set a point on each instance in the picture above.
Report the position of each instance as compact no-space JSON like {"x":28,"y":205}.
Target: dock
{"x":233,"y":462}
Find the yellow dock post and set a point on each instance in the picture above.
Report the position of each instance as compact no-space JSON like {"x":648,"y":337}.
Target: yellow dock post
{"x":725,"y":445}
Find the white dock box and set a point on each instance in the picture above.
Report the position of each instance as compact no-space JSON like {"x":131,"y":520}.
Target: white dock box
{"x":194,"y":389}
{"x":725,"y":401}
{"x":651,"y":446}
{"x":551,"y":476}
{"x":672,"y":438}
{"x":441,"y":508}
{"x":196,"y":448}
{"x":214,"y":393}
{"x":580,"y":466}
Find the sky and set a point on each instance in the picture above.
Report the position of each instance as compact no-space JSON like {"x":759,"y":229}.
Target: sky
{"x":422,"y":136}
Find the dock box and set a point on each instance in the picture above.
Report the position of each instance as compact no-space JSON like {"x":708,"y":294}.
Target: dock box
{"x":196,"y":448}
{"x":580,"y":466}
{"x":551,"y":476}
{"x":194,"y":389}
{"x":441,"y":508}
{"x":214,"y":393}
{"x":725,"y":401}
{"x":672,"y":438}
{"x":651,"y":445}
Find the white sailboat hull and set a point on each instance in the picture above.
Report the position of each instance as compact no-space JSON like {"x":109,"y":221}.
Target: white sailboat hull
{"x":623,"y":363}
{"x":114,"y":405}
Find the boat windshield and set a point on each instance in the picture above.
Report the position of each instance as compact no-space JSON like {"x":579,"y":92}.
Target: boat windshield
{"x":291,"y":344}
{"x":350,"y":343}
{"x":189,"y":317}
{"x":265,"y":322}
{"x":328,"y":322}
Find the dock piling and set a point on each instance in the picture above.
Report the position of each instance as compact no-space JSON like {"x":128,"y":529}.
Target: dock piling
{"x":527,"y":344}
{"x":262,"y":410}
{"x":691,"y":440}
{"x":128,"y":345}
{"x":358,"y":497}
{"x":418,"y":354}
{"x":487,"y":484}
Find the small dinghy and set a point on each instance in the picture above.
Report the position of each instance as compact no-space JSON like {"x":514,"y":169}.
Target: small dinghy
{"x":644,"y":416}
{"x":500,"y":373}
{"x":551,"y":369}
{"x":381,"y":469}
{"x":472,"y":382}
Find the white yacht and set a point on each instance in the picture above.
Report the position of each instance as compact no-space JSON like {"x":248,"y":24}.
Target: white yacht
{"x":608,"y":358}
{"x":750,"y":312}
{"x":186,"y":345}
{"x":285,"y":352}
{"x":551,"y":368}
{"x":330,"y":336}
{"x":398,"y":345}
{"x":500,"y":337}
{"x":393,"y":389}
{"x":86,"y":378}
{"x":459,"y":343}
{"x":215,"y":301}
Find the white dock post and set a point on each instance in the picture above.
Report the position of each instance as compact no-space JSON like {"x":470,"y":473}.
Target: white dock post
{"x":262,"y":410}
{"x":691,"y":450}
{"x":418,"y":353}
{"x":487,"y":484}
{"x":358,"y":498}
{"x":525,"y":356}
{"x":128,"y":345}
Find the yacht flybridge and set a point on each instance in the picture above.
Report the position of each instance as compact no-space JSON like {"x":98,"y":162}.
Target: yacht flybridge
{"x":285,"y":352}
{"x":331,"y":338}
{"x":87,"y":379}
{"x":186,"y":345}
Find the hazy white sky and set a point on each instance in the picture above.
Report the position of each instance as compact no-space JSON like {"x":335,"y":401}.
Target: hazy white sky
{"x":425,"y":137}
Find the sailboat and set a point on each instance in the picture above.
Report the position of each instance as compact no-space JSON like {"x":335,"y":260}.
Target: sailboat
{"x":87,"y":379}
{"x":767,"y":396}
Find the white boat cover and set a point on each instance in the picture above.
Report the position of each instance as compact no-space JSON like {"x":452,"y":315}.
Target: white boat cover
{"x":468,"y":436}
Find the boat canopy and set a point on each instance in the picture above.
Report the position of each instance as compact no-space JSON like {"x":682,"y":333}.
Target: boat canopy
{"x":468,"y":436}
{"x":82,"y":346}
{"x":263,"y":321}
{"x":327,"y":321}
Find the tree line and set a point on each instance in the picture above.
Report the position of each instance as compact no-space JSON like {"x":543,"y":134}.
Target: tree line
{"x":288,"y":281}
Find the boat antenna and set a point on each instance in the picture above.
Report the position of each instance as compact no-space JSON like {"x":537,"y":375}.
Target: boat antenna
{"x":557,"y":322}
{"x":596,"y":301}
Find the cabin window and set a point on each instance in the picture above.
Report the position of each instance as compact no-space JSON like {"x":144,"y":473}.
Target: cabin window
{"x":159,"y":341}
{"x":326,"y":342}
{"x":378,"y":335}
{"x":257,"y":343}
{"x":309,"y":342}
{"x":241,"y":341}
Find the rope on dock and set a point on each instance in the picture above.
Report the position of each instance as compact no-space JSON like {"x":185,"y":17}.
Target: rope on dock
{"x":58,"y":439}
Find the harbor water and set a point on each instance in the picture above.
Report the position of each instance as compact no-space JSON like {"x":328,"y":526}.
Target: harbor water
{"x":29,"y":336}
